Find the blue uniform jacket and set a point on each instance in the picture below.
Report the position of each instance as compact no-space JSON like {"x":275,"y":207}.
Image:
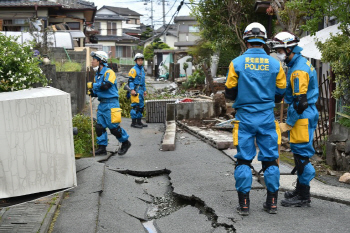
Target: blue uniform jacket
{"x":302,"y":79}
{"x":137,"y":78}
{"x":105,"y":75}
{"x":257,"y":77}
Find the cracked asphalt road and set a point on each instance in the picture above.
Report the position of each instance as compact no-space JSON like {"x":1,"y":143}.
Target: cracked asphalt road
{"x":199,"y":178}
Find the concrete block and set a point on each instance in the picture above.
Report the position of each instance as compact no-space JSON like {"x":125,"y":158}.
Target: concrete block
{"x":170,"y":112}
{"x":169,"y":141}
{"x":338,"y":138}
{"x":330,"y":153}
{"x":347,"y":146}
{"x":36,"y":141}
{"x":340,"y":146}
{"x":170,"y":126}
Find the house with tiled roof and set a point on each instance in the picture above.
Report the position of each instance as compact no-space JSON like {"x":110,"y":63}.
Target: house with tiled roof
{"x":113,"y":37}
{"x":131,"y":25}
{"x":68,"y":15}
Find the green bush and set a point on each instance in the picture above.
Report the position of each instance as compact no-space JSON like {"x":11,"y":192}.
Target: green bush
{"x":82,"y":141}
{"x":197,"y":77}
{"x":125,"y":104}
{"x":344,"y":120}
{"x":19,"y":69}
{"x":67,"y":66}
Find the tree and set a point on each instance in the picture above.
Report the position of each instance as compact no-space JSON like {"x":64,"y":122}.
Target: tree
{"x":148,"y":51}
{"x":290,"y":14}
{"x":336,"y":50}
{"x":19,"y":69}
{"x":201,"y":54}
{"x":223,"y":21}
{"x":146,"y":34}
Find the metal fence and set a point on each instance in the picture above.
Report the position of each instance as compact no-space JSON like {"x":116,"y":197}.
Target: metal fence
{"x":126,"y":61}
{"x":323,"y":109}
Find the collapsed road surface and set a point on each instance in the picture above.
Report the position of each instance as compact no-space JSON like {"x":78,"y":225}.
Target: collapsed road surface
{"x":190,"y":190}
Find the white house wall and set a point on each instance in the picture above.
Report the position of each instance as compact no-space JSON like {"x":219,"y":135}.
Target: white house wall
{"x":105,"y":12}
{"x":103,"y":28}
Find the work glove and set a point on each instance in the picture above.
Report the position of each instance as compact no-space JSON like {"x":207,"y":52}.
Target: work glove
{"x":90,"y":92}
{"x":284,"y":127}
{"x":89,"y":85}
{"x":300,"y":103}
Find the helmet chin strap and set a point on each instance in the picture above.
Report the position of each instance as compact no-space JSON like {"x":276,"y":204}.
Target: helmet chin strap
{"x":288,"y":54}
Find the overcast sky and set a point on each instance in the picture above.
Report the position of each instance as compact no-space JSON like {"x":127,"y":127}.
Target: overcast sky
{"x":145,"y":10}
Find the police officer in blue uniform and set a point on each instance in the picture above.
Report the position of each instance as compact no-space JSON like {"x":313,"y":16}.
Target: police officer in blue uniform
{"x":138,"y":91}
{"x":256,"y":81}
{"x":302,"y":115}
{"x":109,"y":111}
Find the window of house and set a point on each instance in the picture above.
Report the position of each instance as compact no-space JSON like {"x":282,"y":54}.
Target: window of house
{"x":111,"y":28}
{"x":119,"y":51}
{"x":16,"y":25}
{"x":133,"y":21}
{"x":74,"y":26}
{"x":97,"y":26}
{"x":193,"y":29}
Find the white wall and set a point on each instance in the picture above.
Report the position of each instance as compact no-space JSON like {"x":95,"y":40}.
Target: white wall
{"x":103,"y":28}
{"x":170,"y":40}
{"x":106,"y":12}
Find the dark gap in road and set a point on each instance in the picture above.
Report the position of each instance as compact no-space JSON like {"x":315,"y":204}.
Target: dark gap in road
{"x":170,"y":201}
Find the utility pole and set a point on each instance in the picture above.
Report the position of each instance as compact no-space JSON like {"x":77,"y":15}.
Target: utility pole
{"x":152,"y":16}
{"x":164,"y":21}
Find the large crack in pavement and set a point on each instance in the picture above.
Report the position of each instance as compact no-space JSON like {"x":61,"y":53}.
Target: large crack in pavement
{"x":171,"y":201}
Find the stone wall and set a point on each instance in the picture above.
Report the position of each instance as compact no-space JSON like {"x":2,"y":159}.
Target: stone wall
{"x":338,"y":148}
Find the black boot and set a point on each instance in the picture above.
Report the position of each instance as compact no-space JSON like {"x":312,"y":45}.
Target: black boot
{"x":135,"y":124}
{"x":101,"y":150}
{"x":270,"y":205}
{"x":139,"y":122}
{"x":295,"y":192}
{"x":244,"y":202}
{"x":124,"y":148}
{"x":301,"y":200}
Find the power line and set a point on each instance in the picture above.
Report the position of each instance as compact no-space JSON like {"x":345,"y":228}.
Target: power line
{"x":168,"y":10}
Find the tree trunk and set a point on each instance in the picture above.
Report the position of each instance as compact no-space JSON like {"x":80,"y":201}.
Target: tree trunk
{"x":209,"y":78}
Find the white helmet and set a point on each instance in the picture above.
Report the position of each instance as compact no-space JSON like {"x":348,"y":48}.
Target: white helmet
{"x":139,"y":55}
{"x":255,"y":32}
{"x":100,"y":55}
{"x":285,"y":40}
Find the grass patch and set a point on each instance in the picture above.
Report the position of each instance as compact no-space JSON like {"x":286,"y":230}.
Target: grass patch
{"x":287,"y":157}
{"x":68,"y":66}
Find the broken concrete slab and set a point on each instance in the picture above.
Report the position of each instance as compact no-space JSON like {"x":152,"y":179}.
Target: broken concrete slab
{"x":157,"y":186}
{"x":318,"y":189}
{"x":187,"y":219}
{"x":80,"y":206}
{"x":123,"y":193}
{"x":219,"y":139}
{"x":112,"y":220}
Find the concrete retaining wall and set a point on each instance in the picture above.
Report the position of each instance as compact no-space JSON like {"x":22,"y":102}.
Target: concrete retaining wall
{"x":192,"y":110}
{"x":73,"y":83}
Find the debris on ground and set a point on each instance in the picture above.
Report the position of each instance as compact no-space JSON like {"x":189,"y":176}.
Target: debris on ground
{"x":141,"y":180}
{"x":345,"y":178}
